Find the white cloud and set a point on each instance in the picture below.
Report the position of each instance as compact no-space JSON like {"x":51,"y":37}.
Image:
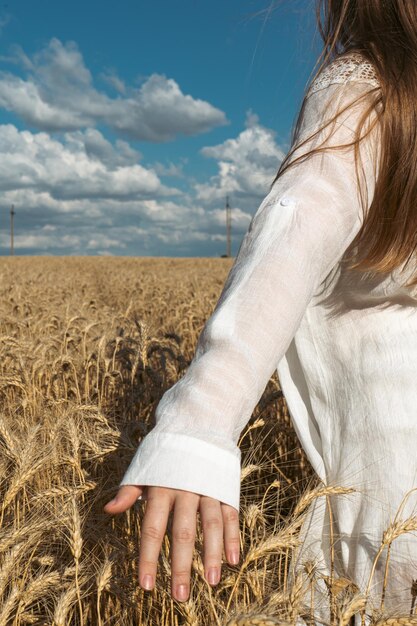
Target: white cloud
{"x":82,"y":194}
{"x":78,"y":192}
{"x":247,"y":164}
{"x":58,"y":93}
{"x":172,"y":169}
{"x":100,"y":240}
{"x":148,"y":226}
{"x":83,"y":165}
{"x":99,"y":148}
{"x":239,"y":219}
{"x":114,"y":81}
{"x":40,"y":241}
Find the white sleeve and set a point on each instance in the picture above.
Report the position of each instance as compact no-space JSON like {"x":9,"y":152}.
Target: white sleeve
{"x":297,"y":235}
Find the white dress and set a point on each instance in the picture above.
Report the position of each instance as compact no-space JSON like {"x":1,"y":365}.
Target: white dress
{"x":344,"y":347}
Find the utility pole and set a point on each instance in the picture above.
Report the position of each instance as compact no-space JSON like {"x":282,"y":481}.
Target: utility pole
{"x":11,"y":230}
{"x":228,"y":227}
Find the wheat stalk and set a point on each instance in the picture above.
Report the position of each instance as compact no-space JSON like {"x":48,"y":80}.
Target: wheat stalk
{"x":30,"y":463}
{"x":65,"y":602}
{"x":190,"y":614}
{"x":258,"y":620}
{"x":405,"y":620}
{"x":103,"y":579}
{"x":349,"y":608}
{"x":10,"y":559}
{"x":295,"y":596}
{"x":63,"y":490}
{"x":31,"y":532}
{"x":37,"y":588}
{"x":76,"y":544}
{"x":8,"y":605}
{"x":283,"y":540}
{"x":12,"y":448}
{"x":247,"y":471}
{"x":397,"y":528}
{"x":319,"y":491}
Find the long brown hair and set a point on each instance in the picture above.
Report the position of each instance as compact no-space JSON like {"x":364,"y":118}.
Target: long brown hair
{"x":385,"y":33}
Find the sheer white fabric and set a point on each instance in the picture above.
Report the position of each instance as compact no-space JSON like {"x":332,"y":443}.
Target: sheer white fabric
{"x":345,"y":349}
{"x":297,"y":235}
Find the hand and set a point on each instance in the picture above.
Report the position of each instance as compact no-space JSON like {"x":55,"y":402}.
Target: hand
{"x":220,"y":522}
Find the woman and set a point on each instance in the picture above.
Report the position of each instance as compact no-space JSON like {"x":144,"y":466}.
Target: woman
{"x":323,"y":290}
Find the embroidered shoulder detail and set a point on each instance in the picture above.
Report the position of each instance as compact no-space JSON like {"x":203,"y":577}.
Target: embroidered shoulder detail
{"x":352,"y":66}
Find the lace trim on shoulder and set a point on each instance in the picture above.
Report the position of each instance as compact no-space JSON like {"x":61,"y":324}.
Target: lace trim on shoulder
{"x":352,"y":66}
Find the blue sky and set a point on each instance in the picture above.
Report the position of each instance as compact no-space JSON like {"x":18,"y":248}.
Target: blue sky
{"x":123,"y":125}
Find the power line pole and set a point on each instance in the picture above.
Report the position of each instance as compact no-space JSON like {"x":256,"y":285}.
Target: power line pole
{"x":228,"y":227}
{"x":11,"y":230}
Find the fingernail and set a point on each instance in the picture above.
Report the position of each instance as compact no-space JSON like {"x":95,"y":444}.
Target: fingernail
{"x":147,"y":582}
{"x":112,"y":501}
{"x":182,"y":592}
{"x":234,"y":557}
{"x":213,"y":575}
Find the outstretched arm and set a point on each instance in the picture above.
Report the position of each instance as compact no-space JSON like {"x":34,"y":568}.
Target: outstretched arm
{"x":298,"y":234}
{"x":190,"y":460}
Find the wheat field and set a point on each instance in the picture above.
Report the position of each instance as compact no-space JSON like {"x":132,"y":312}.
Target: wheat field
{"x":88,"y":347}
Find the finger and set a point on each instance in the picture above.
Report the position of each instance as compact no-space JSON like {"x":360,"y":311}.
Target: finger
{"x":231,"y":533}
{"x":125,"y":497}
{"x":152,"y":533}
{"x":212,"y":525}
{"x":182,"y":545}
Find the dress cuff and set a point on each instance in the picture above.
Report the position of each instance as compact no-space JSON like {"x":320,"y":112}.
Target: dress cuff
{"x":183,"y":462}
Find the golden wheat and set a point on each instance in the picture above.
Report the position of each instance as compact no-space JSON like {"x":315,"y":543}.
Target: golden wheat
{"x":103,"y":578}
{"x":407,"y":620}
{"x":63,"y":606}
{"x":258,"y":620}
{"x":88,"y":347}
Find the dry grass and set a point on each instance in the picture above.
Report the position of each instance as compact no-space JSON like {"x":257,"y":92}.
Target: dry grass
{"x":88,"y":347}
